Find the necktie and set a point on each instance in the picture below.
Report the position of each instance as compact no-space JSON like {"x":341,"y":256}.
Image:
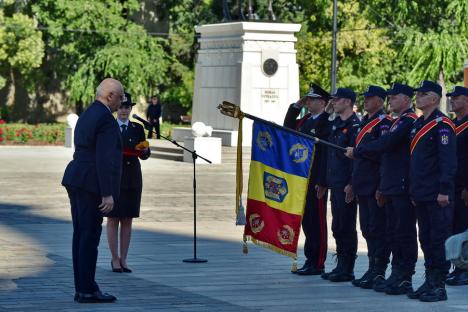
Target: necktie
{"x":124,"y":128}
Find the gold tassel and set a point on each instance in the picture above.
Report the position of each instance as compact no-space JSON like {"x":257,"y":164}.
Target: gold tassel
{"x":294,"y":266}
{"x":240,"y":214}
{"x":245,"y":248}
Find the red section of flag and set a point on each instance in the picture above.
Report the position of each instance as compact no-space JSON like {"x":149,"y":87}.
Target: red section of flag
{"x":272,"y":227}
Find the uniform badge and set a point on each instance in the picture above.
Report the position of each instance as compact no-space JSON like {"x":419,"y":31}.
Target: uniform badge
{"x":256,"y":223}
{"x":264,"y":140}
{"x":274,"y":187}
{"x":444,"y":139}
{"x":286,"y":235}
{"x":298,"y":153}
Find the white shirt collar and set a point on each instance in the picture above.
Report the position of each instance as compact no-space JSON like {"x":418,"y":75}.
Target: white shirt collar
{"x":316,"y":116}
{"x":122,"y":123}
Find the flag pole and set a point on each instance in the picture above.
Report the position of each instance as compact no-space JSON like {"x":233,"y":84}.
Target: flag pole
{"x":232,"y":110}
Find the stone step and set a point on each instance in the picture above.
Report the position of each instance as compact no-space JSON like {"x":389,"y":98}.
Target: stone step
{"x":167,"y":156}
{"x":167,"y":149}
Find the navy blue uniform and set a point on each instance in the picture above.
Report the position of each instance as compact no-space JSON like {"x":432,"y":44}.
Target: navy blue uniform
{"x":365,"y":180}
{"x":461,"y":178}
{"x":339,"y":172}
{"x":314,"y":221}
{"x":432,"y":172}
{"x":94,"y":172}
{"x":394,"y":146}
{"x":128,"y":205}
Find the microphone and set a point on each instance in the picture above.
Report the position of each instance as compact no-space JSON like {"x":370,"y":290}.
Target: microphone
{"x":143,"y":121}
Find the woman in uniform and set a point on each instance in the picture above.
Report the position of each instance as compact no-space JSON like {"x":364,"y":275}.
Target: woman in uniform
{"x":128,"y":204}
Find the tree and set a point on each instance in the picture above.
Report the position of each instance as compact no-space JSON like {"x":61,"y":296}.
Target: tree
{"x":92,"y":40}
{"x":21,"y":52}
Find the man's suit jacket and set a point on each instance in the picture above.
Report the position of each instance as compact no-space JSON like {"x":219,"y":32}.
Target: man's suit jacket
{"x":97,"y":162}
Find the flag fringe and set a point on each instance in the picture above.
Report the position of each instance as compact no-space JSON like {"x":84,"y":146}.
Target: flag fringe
{"x":271,"y":247}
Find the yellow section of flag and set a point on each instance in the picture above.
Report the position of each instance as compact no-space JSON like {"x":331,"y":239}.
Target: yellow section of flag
{"x":290,"y":188}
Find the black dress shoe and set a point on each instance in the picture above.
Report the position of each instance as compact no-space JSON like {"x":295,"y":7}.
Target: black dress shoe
{"x":116,"y":270}
{"x":96,"y":297}
{"x":310,"y":270}
{"x":124,"y":269}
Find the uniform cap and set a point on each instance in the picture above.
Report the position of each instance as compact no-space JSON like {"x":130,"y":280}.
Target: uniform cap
{"x":457,"y":90}
{"x":429,"y":86}
{"x":345,"y":93}
{"x":127,"y":100}
{"x":317,"y":92}
{"x":399,"y":88}
{"x":375,"y":91}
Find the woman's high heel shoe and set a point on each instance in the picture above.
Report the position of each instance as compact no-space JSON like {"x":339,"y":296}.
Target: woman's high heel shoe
{"x":124,"y":269}
{"x":116,"y":270}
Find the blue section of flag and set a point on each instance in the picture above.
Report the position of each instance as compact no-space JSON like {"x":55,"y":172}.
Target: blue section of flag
{"x":281,"y":149}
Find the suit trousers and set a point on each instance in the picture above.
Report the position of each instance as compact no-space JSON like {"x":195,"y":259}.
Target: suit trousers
{"x":343,"y":223}
{"x":157,"y":128}
{"x":401,"y":223}
{"x":373,"y":223}
{"x":435,"y":226}
{"x":87,"y":227}
{"x":314,"y":225}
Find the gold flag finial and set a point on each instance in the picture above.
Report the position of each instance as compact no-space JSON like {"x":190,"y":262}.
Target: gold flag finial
{"x":231,"y":110}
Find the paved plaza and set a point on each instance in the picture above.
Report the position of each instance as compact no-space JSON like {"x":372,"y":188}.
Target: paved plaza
{"x":35,"y":249}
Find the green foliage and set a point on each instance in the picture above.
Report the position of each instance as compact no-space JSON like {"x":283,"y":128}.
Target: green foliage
{"x":21,"y":45}
{"x":98,"y":41}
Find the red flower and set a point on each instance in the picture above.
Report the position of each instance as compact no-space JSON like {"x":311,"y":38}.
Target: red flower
{"x":2,"y":121}
{"x":1,"y":139}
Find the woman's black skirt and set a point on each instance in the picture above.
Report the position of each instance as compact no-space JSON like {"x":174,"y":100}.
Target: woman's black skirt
{"x":128,"y":205}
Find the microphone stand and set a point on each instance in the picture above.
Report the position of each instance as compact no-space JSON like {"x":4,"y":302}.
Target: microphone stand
{"x":194,"y":158}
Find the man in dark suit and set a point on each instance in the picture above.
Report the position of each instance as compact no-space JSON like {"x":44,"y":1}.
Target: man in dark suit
{"x":314,"y":221}
{"x":153,"y":114}
{"x":92,"y":180}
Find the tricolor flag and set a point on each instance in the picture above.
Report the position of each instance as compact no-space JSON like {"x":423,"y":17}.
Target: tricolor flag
{"x":278,"y":181}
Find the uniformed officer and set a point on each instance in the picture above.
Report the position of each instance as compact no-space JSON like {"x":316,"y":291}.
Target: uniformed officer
{"x":128,"y":205}
{"x":432,"y":173}
{"x":393,"y":187}
{"x":343,"y":203}
{"x":92,"y":180}
{"x":314,"y":221}
{"x":459,"y":104}
{"x":365,"y":181}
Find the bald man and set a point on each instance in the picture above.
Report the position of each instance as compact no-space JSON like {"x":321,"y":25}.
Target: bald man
{"x":92,"y":180}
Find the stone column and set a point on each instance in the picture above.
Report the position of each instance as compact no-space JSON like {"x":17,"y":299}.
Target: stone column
{"x":249,"y":64}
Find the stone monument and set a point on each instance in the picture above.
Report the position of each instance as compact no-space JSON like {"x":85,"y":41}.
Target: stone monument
{"x":251,"y":64}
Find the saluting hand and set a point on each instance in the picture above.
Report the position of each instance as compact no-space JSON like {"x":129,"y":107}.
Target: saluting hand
{"x":443,"y":200}
{"x":464,"y":196}
{"x":349,"y":152}
{"x":107,"y":204}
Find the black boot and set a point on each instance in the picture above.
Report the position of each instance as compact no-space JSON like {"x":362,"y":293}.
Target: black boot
{"x":377,"y":276}
{"x":426,"y":286}
{"x":326,"y":275}
{"x":458,"y":277}
{"x":357,"y":282}
{"x":394,"y":276}
{"x":400,"y":282}
{"x":437,"y":291}
{"x":309,"y":269}
{"x":345,"y":271}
